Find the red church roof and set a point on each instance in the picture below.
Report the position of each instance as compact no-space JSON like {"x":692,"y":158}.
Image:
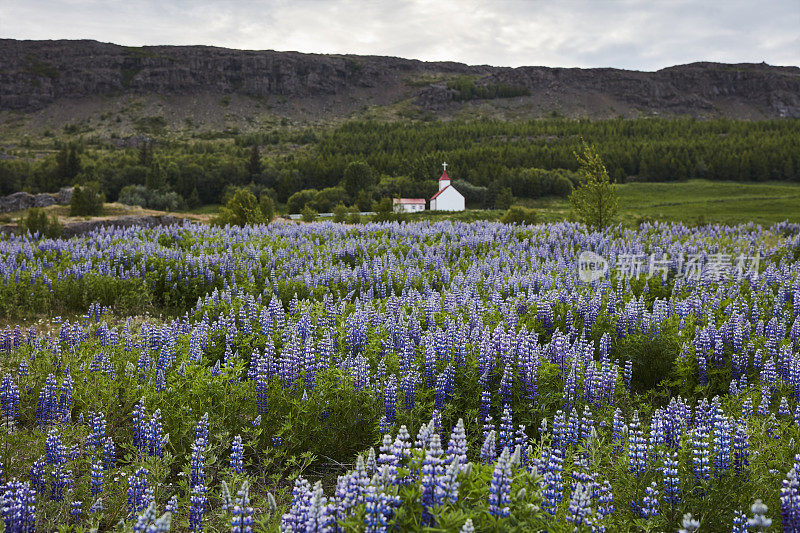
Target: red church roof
{"x":442,"y":190}
{"x":408,"y":200}
{"x":444,"y":177}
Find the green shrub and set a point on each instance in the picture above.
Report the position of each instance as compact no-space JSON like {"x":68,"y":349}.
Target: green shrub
{"x":326,"y":199}
{"x":504,"y":198}
{"x":36,"y":221}
{"x":87,"y":200}
{"x":300,"y":199}
{"x":355,"y":216}
{"x":267,"y":207}
{"x":384,"y":210}
{"x":309,"y":214}
{"x":339,"y":213}
{"x":520,"y":215}
{"x":241,"y":210}
{"x":562,"y":186}
{"x":151,"y":199}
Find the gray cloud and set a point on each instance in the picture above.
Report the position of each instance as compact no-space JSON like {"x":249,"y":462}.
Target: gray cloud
{"x":637,"y":34}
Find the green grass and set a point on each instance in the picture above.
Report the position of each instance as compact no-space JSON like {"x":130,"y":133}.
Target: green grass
{"x":696,"y":201}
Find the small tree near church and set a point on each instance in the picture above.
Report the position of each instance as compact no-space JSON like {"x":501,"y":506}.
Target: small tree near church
{"x":594,"y":201}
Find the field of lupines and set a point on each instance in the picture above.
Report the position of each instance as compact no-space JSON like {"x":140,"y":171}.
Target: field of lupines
{"x":396,"y":377}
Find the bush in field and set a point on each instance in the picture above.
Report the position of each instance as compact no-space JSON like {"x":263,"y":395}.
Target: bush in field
{"x":326,"y":199}
{"x":504,"y":198}
{"x":299,"y":200}
{"x":520,"y":215}
{"x":340,"y":213}
{"x":384,"y":210}
{"x":562,"y":186}
{"x":594,"y":201}
{"x":355,"y":216}
{"x":267,"y":207}
{"x":36,"y":220}
{"x":241,"y":210}
{"x":87,"y":200}
{"x":150,"y":199}
{"x":358,"y":176}
{"x":309,"y":214}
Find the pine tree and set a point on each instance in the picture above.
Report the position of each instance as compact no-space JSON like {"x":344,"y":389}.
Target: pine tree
{"x":254,"y":165}
{"x":594,"y":201}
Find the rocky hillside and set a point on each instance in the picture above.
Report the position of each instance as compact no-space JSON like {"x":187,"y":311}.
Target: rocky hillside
{"x":62,"y":81}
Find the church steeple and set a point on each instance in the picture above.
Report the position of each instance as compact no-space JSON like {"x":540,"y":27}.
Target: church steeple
{"x":444,"y":181}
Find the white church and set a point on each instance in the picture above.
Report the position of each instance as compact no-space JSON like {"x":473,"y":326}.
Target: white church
{"x":448,"y":198}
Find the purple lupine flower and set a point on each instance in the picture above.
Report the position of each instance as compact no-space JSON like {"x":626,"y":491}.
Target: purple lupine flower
{"x":109,"y":454}
{"x":699,"y":445}
{"x":553,"y":492}
{"x":390,"y":400}
{"x":37,"y":475}
{"x":9,"y":402}
{"x":739,"y":524}
{"x":637,"y":452}
{"x":790,"y":501}
{"x":237,"y":454}
{"x":506,"y":435}
{"x":242,"y":512}
{"x":47,"y":411}
{"x":96,"y":476}
{"x":59,"y":480}
{"x":432,"y":469}
{"x":457,"y":445}
{"x":759,"y":519}
{"x":154,"y":436}
{"x":580,"y":509}
{"x":376,"y":509}
{"x":139,"y":496}
{"x":486,"y":406}
{"x":605,"y":500}
{"x":672,"y":488}
{"x":500,"y":488}
{"x":76,"y":509}
{"x":649,"y":506}
{"x":197,"y":507}
{"x":488,"y":449}
{"x":18,"y":507}
{"x":139,"y":427}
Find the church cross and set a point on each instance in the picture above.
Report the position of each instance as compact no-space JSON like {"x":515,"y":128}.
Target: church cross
{"x":444,"y":166}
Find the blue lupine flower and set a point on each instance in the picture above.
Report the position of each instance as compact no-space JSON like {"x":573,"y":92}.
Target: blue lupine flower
{"x":506,"y":436}
{"x":390,"y":400}
{"x":457,"y":445}
{"x":197,"y":506}
{"x":637,"y":453}
{"x":237,"y":454}
{"x":649,"y":506}
{"x":96,"y":476}
{"x":580,"y":509}
{"x":790,"y":501}
{"x":18,"y":507}
{"x":242,"y":512}
{"x":699,"y":445}
{"x":139,"y":496}
{"x":432,"y":470}
{"x":500,"y":489}
{"x":759,"y":519}
{"x":488,"y":450}
{"x":553,"y":485}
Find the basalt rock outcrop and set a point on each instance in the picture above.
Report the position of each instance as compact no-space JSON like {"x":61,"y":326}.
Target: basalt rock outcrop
{"x":37,"y":74}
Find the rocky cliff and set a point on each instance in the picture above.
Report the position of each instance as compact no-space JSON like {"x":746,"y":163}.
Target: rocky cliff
{"x":35,"y":75}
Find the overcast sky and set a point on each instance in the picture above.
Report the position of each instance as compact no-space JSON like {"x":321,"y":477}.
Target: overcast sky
{"x":635,"y":34}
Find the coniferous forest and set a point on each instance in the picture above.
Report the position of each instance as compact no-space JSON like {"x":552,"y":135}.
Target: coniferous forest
{"x":404,"y":158}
